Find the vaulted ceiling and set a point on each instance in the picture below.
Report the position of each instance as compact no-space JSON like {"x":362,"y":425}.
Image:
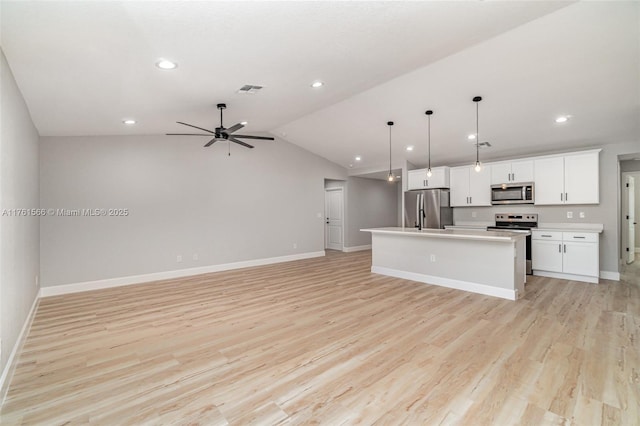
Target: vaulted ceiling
{"x":83,"y":67}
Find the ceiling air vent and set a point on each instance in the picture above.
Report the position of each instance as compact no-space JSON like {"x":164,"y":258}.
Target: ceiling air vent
{"x":250,"y":88}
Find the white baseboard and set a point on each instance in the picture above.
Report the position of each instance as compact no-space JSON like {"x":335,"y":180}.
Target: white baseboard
{"x":10,"y":366}
{"x":356,"y":248}
{"x":564,"y":276}
{"x":156,"y":276}
{"x":610,"y":275}
{"x":448,"y":282}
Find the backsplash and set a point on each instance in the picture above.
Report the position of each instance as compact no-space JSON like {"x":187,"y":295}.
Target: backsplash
{"x":546,"y":214}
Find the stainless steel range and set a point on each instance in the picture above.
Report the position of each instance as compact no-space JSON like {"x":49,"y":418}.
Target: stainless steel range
{"x":517,"y":222}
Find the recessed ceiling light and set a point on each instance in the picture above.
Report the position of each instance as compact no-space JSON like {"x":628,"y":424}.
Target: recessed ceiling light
{"x":562,"y":119}
{"x":317,"y":84}
{"x":358,"y":158}
{"x":471,"y":137}
{"x":410,"y":148}
{"x":129,"y":121}
{"x":165,"y":64}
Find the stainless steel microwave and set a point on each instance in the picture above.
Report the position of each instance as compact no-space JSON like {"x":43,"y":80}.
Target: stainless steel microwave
{"x":512,"y":193}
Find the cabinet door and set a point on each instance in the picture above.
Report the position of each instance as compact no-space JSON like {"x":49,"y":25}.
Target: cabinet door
{"x":581,"y":178}
{"x":549,"y":180}
{"x":480,"y":186}
{"x":581,"y":258}
{"x":522,"y":171}
{"x":459,"y":179}
{"x":417,"y":179}
{"x":439,"y":178}
{"x":546,"y":255}
{"x":500,"y":173}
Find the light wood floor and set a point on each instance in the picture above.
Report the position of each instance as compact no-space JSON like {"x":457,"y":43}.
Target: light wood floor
{"x":325,"y":341}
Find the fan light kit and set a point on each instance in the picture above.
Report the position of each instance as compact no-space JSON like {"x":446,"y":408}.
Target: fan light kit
{"x":165,"y":64}
{"x":129,"y":122}
{"x":222,"y":133}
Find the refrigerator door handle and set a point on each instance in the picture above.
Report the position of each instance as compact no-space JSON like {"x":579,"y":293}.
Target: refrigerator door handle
{"x":417,"y":210}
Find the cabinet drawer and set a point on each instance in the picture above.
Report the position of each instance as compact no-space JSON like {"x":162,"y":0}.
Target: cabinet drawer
{"x":584,"y":237}
{"x":547,"y":235}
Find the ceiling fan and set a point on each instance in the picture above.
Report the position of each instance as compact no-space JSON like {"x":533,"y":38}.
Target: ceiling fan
{"x":221,"y":133}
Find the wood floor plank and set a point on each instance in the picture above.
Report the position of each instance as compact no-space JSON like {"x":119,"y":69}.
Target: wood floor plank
{"x":325,"y":341}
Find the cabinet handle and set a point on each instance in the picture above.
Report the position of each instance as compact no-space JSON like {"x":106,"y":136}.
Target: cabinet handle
{"x":561,"y":199}
{"x":547,"y":236}
{"x":566,"y":196}
{"x":470,"y":200}
{"x":427,"y":182}
{"x":578,"y":237}
{"x":565,"y":248}
{"x":559,"y":248}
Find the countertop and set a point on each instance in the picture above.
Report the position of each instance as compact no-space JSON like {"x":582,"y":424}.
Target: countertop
{"x":572,"y":227}
{"x":503,"y":236}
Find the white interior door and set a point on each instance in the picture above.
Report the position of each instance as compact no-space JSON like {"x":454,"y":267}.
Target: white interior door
{"x":333,"y":234}
{"x":631,"y":218}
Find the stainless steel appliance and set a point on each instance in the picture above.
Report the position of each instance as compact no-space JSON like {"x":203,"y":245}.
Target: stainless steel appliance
{"x":427,"y":209}
{"x":512,"y":193}
{"x":517,"y":222}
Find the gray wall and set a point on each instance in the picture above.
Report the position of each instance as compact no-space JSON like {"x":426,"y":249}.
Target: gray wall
{"x":183,"y":200}
{"x":606,"y":212}
{"x":19,"y":236}
{"x":371,"y":203}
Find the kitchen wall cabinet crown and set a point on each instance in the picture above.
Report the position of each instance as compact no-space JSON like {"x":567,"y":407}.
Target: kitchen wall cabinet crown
{"x":567,"y":179}
{"x":572,"y":255}
{"x":418,"y":179}
{"x":511,"y":171}
{"x":470,"y":188}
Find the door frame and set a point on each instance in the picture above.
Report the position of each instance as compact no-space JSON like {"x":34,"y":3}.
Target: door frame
{"x":326,"y":192}
{"x":624,"y":230}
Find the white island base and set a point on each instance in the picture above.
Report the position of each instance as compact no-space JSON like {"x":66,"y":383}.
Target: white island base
{"x":485,"y":262}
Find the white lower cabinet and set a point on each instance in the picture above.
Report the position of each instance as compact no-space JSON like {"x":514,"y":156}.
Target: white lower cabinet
{"x":570,"y":255}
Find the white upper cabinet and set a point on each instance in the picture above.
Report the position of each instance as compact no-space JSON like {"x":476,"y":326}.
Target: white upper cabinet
{"x":512,"y":171}
{"x":470,"y":188}
{"x":568,"y":179}
{"x":418,"y":179}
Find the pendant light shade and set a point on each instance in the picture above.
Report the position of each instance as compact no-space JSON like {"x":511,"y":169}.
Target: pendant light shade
{"x":390,"y":177}
{"x":478,"y":167}
{"x":429,"y":114}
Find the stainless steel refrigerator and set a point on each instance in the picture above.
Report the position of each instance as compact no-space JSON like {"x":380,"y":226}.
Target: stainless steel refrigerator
{"x":428,"y":208}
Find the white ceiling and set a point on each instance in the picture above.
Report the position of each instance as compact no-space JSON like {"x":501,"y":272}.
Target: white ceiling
{"x":85,"y":66}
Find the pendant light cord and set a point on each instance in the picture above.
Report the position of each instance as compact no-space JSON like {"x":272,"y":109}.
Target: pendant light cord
{"x":477,"y":133}
{"x":429,"y":117}
{"x":390,"y":149}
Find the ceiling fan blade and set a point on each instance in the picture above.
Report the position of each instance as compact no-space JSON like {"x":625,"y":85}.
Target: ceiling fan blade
{"x":234,"y":128}
{"x":195,"y":127}
{"x":211,"y":142}
{"x":188,"y":134}
{"x":232,"y":139}
{"x":266,"y":138}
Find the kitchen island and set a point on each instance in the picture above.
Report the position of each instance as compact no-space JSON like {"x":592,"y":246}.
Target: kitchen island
{"x":485,"y":262}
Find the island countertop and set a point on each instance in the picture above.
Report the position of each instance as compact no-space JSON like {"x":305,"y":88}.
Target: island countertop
{"x":462,"y":234}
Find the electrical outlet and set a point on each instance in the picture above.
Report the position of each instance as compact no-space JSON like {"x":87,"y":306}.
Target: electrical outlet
{"x":179,"y":258}
{"x":295,"y":245}
{"x":433,"y":257}
{"x":569,"y":215}
{"x":195,"y":256}
{"x":582,"y":215}
{"x":474,"y":214}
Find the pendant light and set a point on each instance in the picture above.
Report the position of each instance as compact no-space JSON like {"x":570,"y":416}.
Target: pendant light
{"x":429,"y":113}
{"x":390,"y":177}
{"x":478,"y":167}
